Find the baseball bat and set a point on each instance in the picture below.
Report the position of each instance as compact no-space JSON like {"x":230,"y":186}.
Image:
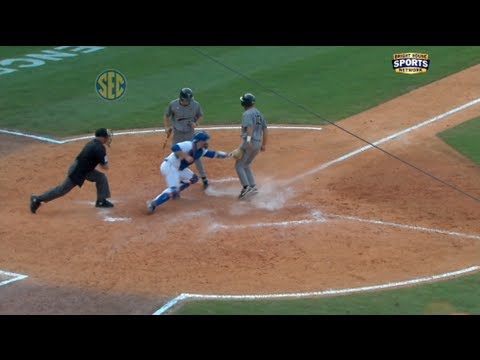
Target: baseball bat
{"x":166,"y":139}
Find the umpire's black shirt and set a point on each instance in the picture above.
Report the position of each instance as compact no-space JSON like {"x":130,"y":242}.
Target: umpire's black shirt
{"x":92,"y":154}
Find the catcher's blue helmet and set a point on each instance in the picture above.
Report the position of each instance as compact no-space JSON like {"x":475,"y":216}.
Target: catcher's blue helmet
{"x":201,"y":136}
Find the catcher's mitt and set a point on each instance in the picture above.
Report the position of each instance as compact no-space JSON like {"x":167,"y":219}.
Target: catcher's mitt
{"x":237,"y":153}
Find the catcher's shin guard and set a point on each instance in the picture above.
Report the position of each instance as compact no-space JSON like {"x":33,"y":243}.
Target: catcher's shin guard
{"x":184,"y":186}
{"x":194,"y":179}
{"x":164,"y":197}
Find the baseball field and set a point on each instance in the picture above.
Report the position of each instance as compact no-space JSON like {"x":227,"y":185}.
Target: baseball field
{"x":368,"y":204}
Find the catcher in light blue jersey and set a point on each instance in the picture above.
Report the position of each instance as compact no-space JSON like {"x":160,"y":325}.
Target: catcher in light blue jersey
{"x":175,"y":167}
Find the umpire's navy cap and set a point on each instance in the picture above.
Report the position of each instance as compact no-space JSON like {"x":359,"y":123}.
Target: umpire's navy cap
{"x":102,"y":132}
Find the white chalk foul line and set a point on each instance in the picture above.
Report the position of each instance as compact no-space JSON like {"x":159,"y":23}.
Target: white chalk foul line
{"x":15,"y":277}
{"x":217,"y":226}
{"x":404,"y":226}
{"x":136,"y":132}
{"x":322,"y":219}
{"x":171,"y":303}
{"x":388,"y":138}
{"x":41,"y":138}
{"x":185,"y":296}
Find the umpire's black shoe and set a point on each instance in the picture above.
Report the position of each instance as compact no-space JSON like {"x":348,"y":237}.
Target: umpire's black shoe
{"x":103,"y":204}
{"x":34,"y":204}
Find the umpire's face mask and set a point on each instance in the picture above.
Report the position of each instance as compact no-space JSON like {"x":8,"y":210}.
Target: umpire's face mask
{"x":205,"y":145}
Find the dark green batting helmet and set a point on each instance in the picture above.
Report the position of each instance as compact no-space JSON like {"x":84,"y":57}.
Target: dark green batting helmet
{"x":247,"y":99}
{"x":186,"y":94}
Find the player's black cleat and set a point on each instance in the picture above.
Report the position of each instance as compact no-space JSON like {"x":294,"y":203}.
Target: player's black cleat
{"x":205,"y":183}
{"x":34,"y":204}
{"x":252,"y":190}
{"x":243,"y":193}
{"x":103,"y":204}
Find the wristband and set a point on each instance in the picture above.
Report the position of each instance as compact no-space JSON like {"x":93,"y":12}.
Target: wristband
{"x":249,"y":138}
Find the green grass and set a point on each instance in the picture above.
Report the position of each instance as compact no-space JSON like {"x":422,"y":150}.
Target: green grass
{"x":333,"y":82}
{"x":465,"y":138}
{"x":458,"y":295}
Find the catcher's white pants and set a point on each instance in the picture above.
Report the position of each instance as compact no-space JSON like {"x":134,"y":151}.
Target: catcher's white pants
{"x":173,"y":176}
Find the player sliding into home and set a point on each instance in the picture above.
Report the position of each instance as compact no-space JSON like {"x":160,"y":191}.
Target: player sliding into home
{"x":175,"y":169}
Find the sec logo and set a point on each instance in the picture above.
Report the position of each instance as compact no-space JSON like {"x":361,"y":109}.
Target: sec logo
{"x":111,"y":85}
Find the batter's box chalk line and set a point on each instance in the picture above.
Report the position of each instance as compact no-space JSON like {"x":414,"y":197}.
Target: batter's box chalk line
{"x":13,"y":277}
{"x":319,"y":217}
{"x":116,"y":219}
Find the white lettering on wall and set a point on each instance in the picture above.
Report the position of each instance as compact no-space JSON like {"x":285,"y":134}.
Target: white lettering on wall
{"x":33,"y":62}
{"x":6,"y":70}
{"x":8,"y":66}
{"x":51,"y":55}
{"x":87,"y":49}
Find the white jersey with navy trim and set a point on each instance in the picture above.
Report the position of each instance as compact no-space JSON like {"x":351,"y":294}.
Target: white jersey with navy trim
{"x":176,"y":172}
{"x":190,"y":148}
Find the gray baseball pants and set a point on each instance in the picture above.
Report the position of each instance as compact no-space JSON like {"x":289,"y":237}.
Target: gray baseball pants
{"x":243,"y":168}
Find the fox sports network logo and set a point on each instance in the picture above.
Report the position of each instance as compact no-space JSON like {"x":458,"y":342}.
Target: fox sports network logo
{"x":411,"y":63}
{"x":111,"y":85}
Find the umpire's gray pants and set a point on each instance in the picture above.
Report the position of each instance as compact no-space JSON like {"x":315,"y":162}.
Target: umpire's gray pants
{"x":179,"y":136}
{"x":99,"y":178}
{"x":243,"y":168}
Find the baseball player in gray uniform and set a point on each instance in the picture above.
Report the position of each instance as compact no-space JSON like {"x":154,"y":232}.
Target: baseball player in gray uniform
{"x":182,"y":116}
{"x":254,"y":134}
